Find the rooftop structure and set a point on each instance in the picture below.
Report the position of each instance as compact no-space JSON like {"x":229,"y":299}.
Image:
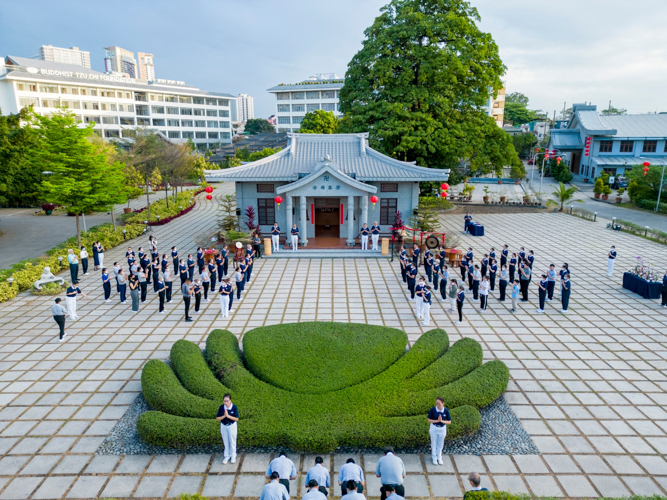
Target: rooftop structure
{"x":65,"y":56}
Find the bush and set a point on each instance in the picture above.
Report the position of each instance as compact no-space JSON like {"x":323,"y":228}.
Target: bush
{"x":650,"y":205}
{"x":651,"y":234}
{"x":50,"y":289}
{"x":436,"y":202}
{"x":606,"y":190}
{"x":185,"y":199}
{"x":598,"y":186}
{"x":369,"y":402}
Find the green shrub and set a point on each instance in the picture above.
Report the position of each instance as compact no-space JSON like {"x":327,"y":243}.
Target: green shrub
{"x":598,"y":186}
{"x":436,"y":202}
{"x":159,"y":207}
{"x":636,"y":229}
{"x":50,"y":289}
{"x":384,"y":402}
{"x":650,"y":205}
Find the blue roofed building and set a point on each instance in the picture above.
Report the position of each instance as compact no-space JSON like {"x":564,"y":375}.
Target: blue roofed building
{"x":618,"y":142}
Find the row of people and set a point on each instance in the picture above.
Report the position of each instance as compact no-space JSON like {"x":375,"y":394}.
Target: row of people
{"x":365,"y":232}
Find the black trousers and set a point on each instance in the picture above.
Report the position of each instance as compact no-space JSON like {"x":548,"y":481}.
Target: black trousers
{"x":168,"y":286}
{"x":200,"y":265}
{"x":258,"y":252}
{"x":459,"y":308}
{"x":565,"y":299}
{"x":400,"y":490}
{"x":415,"y":261}
{"x":429,"y":272}
{"x":84,"y":264}
{"x":61,"y":323}
{"x":285,"y":483}
{"x":191,"y":273}
{"x":463,"y":273}
{"x":542,"y":295}
{"x":524,"y":289}
{"x":161,"y":297}
{"x":147,"y":272}
{"x":484,"y":270}
{"x":411,"y":287}
{"x":206,"y":285}
{"x":186,"y":302}
{"x":475,"y":290}
{"x":175,"y":262}
{"x":123,"y":290}
{"x":220,"y":273}
{"x":225,"y":268}
{"x":436,"y":279}
{"x":231,"y":300}
{"x":156,"y":277}
{"x":183,"y":277}
{"x":343,"y":488}
{"x":503,"y":261}
{"x":550,"y":289}
{"x":107,"y":290}
{"x":144,"y":290}
{"x":197,"y":301}
{"x":503,"y":288}
{"x":213,"y":281}
{"x":443,"y":289}
{"x":492,"y":281}
{"x":664,"y":295}
{"x":482,"y":301}
{"x":470,"y":280}
{"x":74,"y":272}
{"x":323,"y":490}
{"x":404,"y":274}
{"x":512,"y":271}
{"x":239,"y":289}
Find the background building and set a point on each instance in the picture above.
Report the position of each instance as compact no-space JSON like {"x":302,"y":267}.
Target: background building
{"x":496,"y":107}
{"x":116,"y":105}
{"x":294,"y":101}
{"x":246,"y":107}
{"x":65,"y":56}
{"x":119,"y":60}
{"x":146,"y":66}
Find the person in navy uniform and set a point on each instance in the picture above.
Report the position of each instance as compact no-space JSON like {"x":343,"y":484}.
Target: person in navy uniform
{"x":419,"y":292}
{"x":175,"y":259}
{"x":364,"y":231}
{"x":464,"y":268}
{"x":404,"y":266}
{"x":275,"y":237}
{"x":435,"y":269}
{"x":200,"y":260}
{"x":530,"y":259}
{"x":129,"y":255}
{"x":106,"y":284}
{"x":146,"y":266}
{"x":493,"y":272}
{"x":439,"y":418}
{"x":161,"y":289}
{"x":295,"y":237}
{"x":551,"y":282}
{"x":183,"y":271}
{"x":225,"y":264}
{"x":250,"y":261}
{"x":610,"y":260}
{"x":156,"y":273}
{"x":460,"y":297}
{"x":219,"y":261}
{"x":415,"y":255}
{"x":191,"y":267}
{"x":375,"y":235}
{"x":444,"y":281}
{"x":565,"y":290}
{"x":442,"y":257}
{"x":492,"y":254}
{"x":426,"y":306}
{"x":469,"y":255}
{"x":542,"y":287}
{"x":257,"y":246}
{"x":522,"y":254}
{"x":211,"y":273}
{"x":504,"y":254}
{"x":485,"y":264}
{"x":428,"y":264}
{"x":512,"y":269}
{"x":228,"y":416}
{"x":664,"y":290}
{"x":467,"y":219}
{"x":196,"y":290}
{"x":471,"y":275}
{"x":412,"y":276}
{"x":165,"y":262}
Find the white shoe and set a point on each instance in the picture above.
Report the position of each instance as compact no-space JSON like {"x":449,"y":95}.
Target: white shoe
{"x":225,"y":461}
{"x":233,"y":460}
{"x":61,"y":339}
{"x":458,"y":322}
{"x":424,"y":324}
{"x":86,"y":274}
{"x":411,"y":300}
{"x":563,"y":311}
{"x":435,"y":462}
{"x":440,"y":462}
{"x":107,"y":300}
{"x":161,"y":312}
{"x":540,"y":310}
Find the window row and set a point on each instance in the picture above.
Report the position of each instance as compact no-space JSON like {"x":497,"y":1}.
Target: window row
{"x":299,"y":108}
{"x":311,"y":94}
{"x":70,"y":90}
{"x":629,"y":146}
{"x":161,"y":122}
{"x":161,"y":110}
{"x":89,"y":105}
{"x":189,"y":100}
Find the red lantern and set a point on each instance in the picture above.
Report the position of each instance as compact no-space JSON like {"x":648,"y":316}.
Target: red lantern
{"x":209,"y":197}
{"x":537,"y":150}
{"x":374,"y":200}
{"x":444,"y":186}
{"x":645,"y":170}
{"x":444,"y":194}
{"x":646,"y":164}
{"x":278,"y":200}
{"x":558,"y":160}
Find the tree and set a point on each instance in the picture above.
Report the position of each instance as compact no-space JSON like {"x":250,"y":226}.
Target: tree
{"x":228,"y":221}
{"x":560,"y":172}
{"x":523,"y":143}
{"x":516,"y":110}
{"x":611,"y":111}
{"x":258,"y":155}
{"x":490,"y":148}
{"x":20,"y":180}
{"x":319,"y":122}
{"x":258,"y":125}
{"x":426,"y":218}
{"x":250,"y":219}
{"x":562,"y":195}
{"x":420,"y":81}
{"x":644,"y":187}
{"x":516,"y":98}
{"x":80,"y":177}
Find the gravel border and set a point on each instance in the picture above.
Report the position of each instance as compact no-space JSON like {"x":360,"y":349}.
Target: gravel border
{"x":501,"y":433}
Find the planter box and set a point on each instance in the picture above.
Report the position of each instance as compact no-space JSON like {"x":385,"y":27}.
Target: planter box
{"x":127,"y":210}
{"x":503,"y":199}
{"x":500,"y":181}
{"x":486,"y":199}
{"x":597,"y":196}
{"x":605,"y":197}
{"x":619,"y":200}
{"x":517,"y":182}
{"x":48,"y":212}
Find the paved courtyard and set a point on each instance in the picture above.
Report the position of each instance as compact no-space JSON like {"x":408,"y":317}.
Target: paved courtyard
{"x":590,"y":387}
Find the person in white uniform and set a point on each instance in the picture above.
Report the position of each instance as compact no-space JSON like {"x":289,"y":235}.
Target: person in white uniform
{"x":275,"y":237}
{"x":439,"y":418}
{"x":320,"y":474}
{"x":72,"y":292}
{"x":314,"y":492}
{"x":352,"y":493}
{"x":274,"y":490}
{"x":228,"y":416}
{"x":375,"y":235}
{"x":284,"y":467}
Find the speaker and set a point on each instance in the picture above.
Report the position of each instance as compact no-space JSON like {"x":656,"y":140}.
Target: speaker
{"x":432,"y":242}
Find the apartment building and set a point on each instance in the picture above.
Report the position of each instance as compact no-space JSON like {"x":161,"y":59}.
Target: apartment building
{"x":146,"y":66}
{"x":65,"y":56}
{"x":246,"y":107}
{"x":119,"y":60}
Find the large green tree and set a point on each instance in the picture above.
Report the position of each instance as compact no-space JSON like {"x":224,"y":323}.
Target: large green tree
{"x":319,"y":122}
{"x":420,"y":82}
{"x":79,"y":176}
{"x":516,"y":109}
{"x":257,"y":125}
{"x":523,"y":143}
{"x":20,"y":180}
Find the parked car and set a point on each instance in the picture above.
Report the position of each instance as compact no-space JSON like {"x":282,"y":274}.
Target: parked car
{"x":620,"y":182}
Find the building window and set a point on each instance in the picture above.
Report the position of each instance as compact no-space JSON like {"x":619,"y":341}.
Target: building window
{"x":298,"y":95}
{"x":283,"y":108}
{"x":265,"y":188}
{"x":223,"y":102}
{"x":389,"y":187}
{"x":126,"y":121}
{"x":110,"y":120}
{"x":211,"y":112}
{"x":627,"y":146}
{"x":329,"y":107}
{"x":199,"y":112}
{"x":199,"y":100}
{"x":328,"y":94}
{"x":298,"y":108}
{"x":312,"y":107}
{"x":174,"y":134}
{"x":224,"y":113}
{"x":92,"y":119}
{"x":297,"y":119}
{"x":313,"y":95}
{"x":605,"y":146}
{"x":107,"y":93}
{"x":200,"y":135}
{"x":28,"y":101}
{"x":212,"y":124}
{"x":284,"y":120}
{"x":172,"y":111}
{"x":186,"y":111}
{"x":170,"y":98}
{"x":111,"y":133}
{"x":266,"y":211}
{"x":185,"y":100}
{"x":188,"y":135}
{"x":158,"y":122}
{"x":143,"y":122}
{"x":650,"y":147}
{"x":284,"y":130}
{"x":283,"y":96}
{"x":154,"y":97}
{"x":186,"y":123}
{"x":388,"y":208}
{"x":208,"y":101}
{"x":212,"y":135}
{"x":172,"y":123}
{"x":200,"y":123}
{"x":49,"y":89}
{"x":157,"y":110}
{"x":224,"y":135}
{"x":224,"y":124}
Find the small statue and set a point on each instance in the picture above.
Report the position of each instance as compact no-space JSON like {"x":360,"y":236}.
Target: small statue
{"x":47,"y":277}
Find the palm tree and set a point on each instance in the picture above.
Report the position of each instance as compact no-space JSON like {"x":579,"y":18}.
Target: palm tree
{"x":562,"y":195}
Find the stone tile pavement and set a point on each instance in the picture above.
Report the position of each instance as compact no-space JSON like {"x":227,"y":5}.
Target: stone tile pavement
{"x":589,"y":387}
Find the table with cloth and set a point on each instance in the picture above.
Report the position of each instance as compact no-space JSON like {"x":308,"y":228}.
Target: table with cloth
{"x":641,"y":286}
{"x":476,"y":229}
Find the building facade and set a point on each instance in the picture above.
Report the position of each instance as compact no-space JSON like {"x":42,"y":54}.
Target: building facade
{"x":495,"y":108}
{"x":245,"y":107}
{"x":294,"y":101}
{"x":116,"y":104}
{"x":617,"y":143}
{"x":65,"y":56}
{"x":326,"y":182}
{"x":146,"y":66}
{"x":119,"y":60}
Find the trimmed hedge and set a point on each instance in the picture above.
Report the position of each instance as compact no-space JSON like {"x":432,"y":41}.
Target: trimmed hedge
{"x":159,"y":207}
{"x":650,"y":205}
{"x":388,"y":408}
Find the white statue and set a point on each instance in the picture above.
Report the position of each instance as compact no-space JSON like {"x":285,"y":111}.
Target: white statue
{"x":47,"y":277}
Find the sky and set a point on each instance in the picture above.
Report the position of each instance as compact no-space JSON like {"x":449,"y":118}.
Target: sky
{"x":556,"y":51}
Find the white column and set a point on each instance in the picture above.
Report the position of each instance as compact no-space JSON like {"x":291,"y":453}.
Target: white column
{"x":364,"y":210}
{"x":304,"y":220}
{"x":350,"y":221}
{"x":288,"y":231}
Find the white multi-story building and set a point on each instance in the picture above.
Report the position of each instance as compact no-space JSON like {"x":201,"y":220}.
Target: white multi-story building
{"x":495,"y":108}
{"x":65,"y":56}
{"x":146,"y":66}
{"x":293,"y":101}
{"x":119,"y":60}
{"x":246,"y":108}
{"x":115,"y":104}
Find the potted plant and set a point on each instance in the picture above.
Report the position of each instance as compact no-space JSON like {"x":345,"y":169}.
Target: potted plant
{"x":598,"y":187}
{"x":606,"y":191}
{"x":526,"y":199}
{"x":503,"y":198}
{"x":500,"y":181}
{"x":486,"y":194}
{"x":48,"y":208}
{"x":619,"y":195}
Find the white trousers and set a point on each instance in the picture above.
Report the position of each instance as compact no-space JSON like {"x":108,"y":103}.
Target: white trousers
{"x":426,"y":310}
{"x":295,"y":242}
{"x":610,"y":266}
{"x":375,"y":238}
{"x":364,"y":242}
{"x":275,"y":240}
{"x":228,"y":433}
{"x":420,"y":306}
{"x":71,"y":306}
{"x":100,"y":258}
{"x":452,"y":303}
{"x":224,"y":305}
{"x":438,"y":435}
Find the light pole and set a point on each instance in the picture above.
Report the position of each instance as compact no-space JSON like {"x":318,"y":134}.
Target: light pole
{"x":657,"y":205}
{"x":553,"y":152}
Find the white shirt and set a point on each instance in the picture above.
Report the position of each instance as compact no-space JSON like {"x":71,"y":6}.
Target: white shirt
{"x":484,"y":288}
{"x":84,"y":254}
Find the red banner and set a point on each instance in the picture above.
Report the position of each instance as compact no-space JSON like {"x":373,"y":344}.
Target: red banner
{"x":312,"y":213}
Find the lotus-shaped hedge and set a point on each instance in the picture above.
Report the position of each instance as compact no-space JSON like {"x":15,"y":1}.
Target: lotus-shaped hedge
{"x":317,"y":386}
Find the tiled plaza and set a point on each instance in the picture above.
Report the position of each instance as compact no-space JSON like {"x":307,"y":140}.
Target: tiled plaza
{"x":589,"y":386}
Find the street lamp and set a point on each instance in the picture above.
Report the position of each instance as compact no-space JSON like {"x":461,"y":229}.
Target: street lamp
{"x":657,"y":205}
{"x":10,"y":281}
{"x":124,"y":234}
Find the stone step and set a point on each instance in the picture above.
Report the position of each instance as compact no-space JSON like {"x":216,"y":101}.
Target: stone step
{"x":327,"y":253}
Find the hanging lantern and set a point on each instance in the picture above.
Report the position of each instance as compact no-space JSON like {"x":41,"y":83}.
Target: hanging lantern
{"x":208,"y":189}
{"x":444,"y":194}
{"x":444,"y":186}
{"x":374,"y":200}
{"x":537,"y":150}
{"x":646,"y":164}
{"x":645,"y":170}
{"x":209,"y":197}
{"x":558,"y":160}
{"x":278,"y":200}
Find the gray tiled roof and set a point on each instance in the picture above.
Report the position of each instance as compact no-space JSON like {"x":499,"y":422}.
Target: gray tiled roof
{"x":346,"y":150}
{"x":565,"y":139}
{"x":637,"y":126}
{"x":307,"y":86}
